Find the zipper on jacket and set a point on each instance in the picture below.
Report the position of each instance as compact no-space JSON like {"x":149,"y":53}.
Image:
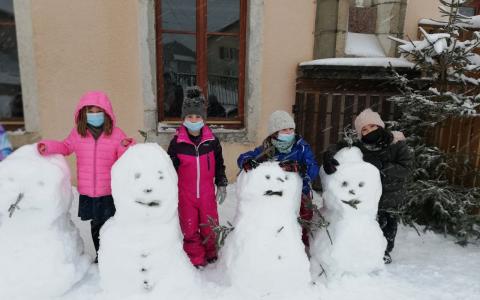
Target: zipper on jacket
{"x":95,"y":169}
{"x":208,"y":161}
{"x":198,"y":171}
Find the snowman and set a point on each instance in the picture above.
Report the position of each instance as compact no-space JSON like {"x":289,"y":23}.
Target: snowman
{"x":353,"y":242}
{"x":41,"y":252}
{"x":264,"y":254}
{"x":141,"y":254}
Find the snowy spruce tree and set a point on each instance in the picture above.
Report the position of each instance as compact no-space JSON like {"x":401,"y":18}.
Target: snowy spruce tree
{"x":446,"y":88}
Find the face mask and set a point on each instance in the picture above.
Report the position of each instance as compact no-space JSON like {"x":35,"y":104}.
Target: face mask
{"x":193,"y":126}
{"x":96,"y":119}
{"x":373,"y":137}
{"x":286,"y":137}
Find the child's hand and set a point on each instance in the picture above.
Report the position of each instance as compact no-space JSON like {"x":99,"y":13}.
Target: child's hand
{"x":41,"y":148}
{"x":250,"y":164}
{"x":126,"y":142}
{"x":292,"y":166}
{"x":329,"y":163}
{"x":221,"y":194}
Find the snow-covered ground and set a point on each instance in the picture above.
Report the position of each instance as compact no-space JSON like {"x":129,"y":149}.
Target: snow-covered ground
{"x":424,"y":267}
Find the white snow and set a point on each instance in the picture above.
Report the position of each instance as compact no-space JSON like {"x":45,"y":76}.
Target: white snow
{"x":473,"y":22}
{"x":264,"y":255}
{"x":353,"y":242}
{"x":360,"y":61}
{"x":141,"y":251}
{"x":363,"y":45}
{"x":426,"y":267}
{"x":41,"y":253}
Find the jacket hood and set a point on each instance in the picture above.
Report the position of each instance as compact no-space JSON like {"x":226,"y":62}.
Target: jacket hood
{"x":96,"y":98}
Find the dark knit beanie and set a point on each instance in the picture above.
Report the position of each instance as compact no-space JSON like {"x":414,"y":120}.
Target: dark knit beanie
{"x":194,"y":103}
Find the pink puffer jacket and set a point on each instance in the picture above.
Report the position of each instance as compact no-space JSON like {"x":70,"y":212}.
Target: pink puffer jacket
{"x":94,"y":157}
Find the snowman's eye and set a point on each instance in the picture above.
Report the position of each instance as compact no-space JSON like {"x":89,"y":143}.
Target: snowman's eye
{"x":344,"y":184}
{"x":161,"y":177}
{"x":267,"y":176}
{"x":41,"y":183}
{"x":361,"y":184}
{"x":286,"y":177}
{"x":137,"y":175}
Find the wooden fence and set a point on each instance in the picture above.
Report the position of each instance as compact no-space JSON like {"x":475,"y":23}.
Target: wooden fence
{"x":460,"y":136}
{"x":320,"y":117}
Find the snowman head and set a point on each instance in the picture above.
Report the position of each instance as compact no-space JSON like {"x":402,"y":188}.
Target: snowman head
{"x":33,"y":186}
{"x":270,"y":185}
{"x":144,"y":184}
{"x":355,"y":188}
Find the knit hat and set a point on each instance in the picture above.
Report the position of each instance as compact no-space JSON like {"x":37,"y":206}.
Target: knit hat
{"x":367,"y":117}
{"x":280,"y":120}
{"x":194,"y":103}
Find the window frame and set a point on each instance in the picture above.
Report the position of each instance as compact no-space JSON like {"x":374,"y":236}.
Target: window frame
{"x":201,"y":36}
{"x":14,"y":122}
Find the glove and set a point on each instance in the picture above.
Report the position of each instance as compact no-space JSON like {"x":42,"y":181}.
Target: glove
{"x":292,"y":166}
{"x":250,"y":164}
{"x":385,"y":138}
{"x":41,"y":148}
{"x":329,"y":163}
{"x":221,"y":194}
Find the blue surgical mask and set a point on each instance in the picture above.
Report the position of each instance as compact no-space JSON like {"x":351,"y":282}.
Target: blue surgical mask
{"x":96,"y":119}
{"x":286,"y":137}
{"x":193,"y":126}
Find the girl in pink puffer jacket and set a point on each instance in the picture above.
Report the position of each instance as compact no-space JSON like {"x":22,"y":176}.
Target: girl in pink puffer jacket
{"x":97,"y":143}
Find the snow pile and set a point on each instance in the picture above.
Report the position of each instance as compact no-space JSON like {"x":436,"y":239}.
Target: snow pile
{"x":141,"y":254}
{"x":472,"y":22}
{"x":351,"y":196}
{"x":264,"y":254}
{"x":361,"y":62}
{"x":437,"y":40}
{"x":41,"y":253}
{"x":363,"y":45}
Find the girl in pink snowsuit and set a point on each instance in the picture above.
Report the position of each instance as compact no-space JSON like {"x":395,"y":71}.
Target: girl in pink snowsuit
{"x":97,"y":143}
{"x":197,"y":156}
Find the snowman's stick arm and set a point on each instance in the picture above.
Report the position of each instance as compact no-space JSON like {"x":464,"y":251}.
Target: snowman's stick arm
{"x":14,"y":206}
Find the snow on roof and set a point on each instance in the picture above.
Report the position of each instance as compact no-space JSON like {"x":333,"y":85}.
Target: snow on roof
{"x":474,"y":22}
{"x":363,"y":45}
{"x":360,"y":61}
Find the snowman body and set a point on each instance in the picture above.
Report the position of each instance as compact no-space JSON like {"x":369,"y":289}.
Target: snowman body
{"x":264,"y":254}
{"x":141,"y":252}
{"x":353,"y":242}
{"x":41,"y":251}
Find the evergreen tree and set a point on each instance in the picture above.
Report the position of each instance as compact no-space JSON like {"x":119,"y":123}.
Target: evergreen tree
{"x":446,"y":88}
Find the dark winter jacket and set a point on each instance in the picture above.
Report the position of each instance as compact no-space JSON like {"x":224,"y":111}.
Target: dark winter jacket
{"x":394,"y":163}
{"x":197,"y":165}
{"x":300,"y":152}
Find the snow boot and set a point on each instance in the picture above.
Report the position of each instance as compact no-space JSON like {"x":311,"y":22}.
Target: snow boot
{"x":387,"y":258}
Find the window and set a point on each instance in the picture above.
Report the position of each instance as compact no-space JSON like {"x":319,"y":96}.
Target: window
{"x":201,"y":42}
{"x":362,"y":19}
{"x":11,"y":108}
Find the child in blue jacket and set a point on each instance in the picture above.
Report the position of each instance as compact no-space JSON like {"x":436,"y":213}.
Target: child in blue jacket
{"x":293,"y":153}
{"x":5,"y":146}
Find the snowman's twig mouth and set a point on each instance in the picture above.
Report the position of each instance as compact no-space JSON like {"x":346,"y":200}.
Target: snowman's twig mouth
{"x":150,"y":203}
{"x":15,"y":206}
{"x":273,"y":193}
{"x":353,"y":203}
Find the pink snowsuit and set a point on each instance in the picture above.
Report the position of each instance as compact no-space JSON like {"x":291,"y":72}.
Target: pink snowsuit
{"x":94,"y":157}
{"x":198,"y":166}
